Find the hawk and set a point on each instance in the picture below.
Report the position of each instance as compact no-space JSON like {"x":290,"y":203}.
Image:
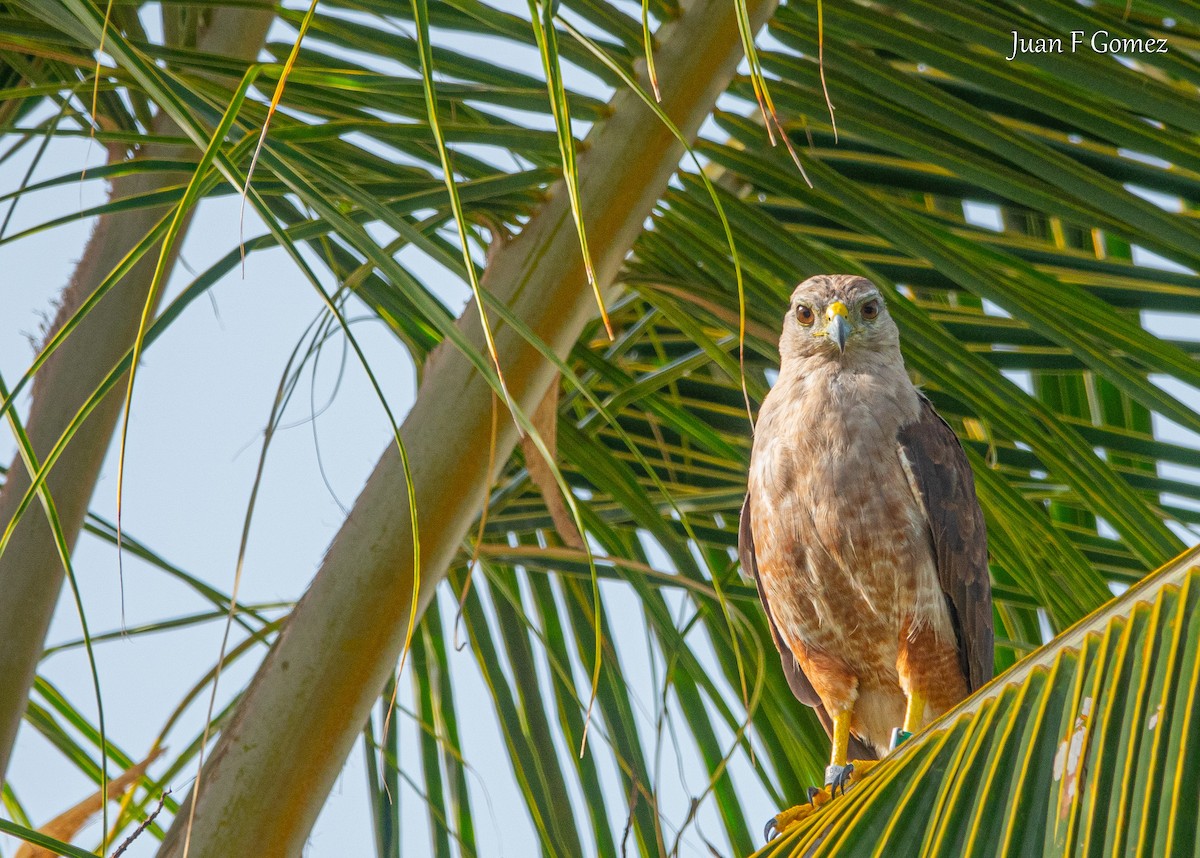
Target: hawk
{"x":863,"y":532}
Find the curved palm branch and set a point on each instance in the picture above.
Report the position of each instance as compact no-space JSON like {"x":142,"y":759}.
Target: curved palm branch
{"x":1089,"y":744}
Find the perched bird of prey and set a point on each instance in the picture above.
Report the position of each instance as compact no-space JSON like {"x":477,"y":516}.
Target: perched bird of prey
{"x":863,"y":532}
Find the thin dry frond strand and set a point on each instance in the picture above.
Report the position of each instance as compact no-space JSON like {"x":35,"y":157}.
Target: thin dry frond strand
{"x":547,"y":457}
{"x":146,"y":823}
{"x":272,"y":423}
{"x":190,"y":197}
{"x":421,"y":17}
{"x":762,"y":93}
{"x":262,"y":137}
{"x":756,"y":76}
{"x":96,"y":82}
{"x":547,"y":41}
{"x":648,"y":40}
{"x":821,"y":66}
{"x":712,"y":193}
{"x":387,"y":720}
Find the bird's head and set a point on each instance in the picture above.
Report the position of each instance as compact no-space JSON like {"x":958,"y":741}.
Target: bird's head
{"x":839,"y":317}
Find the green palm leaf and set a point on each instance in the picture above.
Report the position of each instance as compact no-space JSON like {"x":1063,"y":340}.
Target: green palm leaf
{"x":1088,"y":746}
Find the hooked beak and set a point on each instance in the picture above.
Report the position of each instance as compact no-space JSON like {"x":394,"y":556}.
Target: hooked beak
{"x":838,"y":325}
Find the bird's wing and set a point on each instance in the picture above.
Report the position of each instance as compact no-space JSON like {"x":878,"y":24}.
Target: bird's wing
{"x":801,"y":687}
{"x":799,"y":683}
{"x":941,"y":478}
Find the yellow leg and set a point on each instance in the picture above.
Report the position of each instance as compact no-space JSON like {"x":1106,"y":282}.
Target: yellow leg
{"x":914,"y":713}
{"x":841,"y":738}
{"x":842,"y":770}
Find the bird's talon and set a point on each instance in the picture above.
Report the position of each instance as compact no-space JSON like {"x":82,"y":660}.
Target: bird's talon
{"x":838,"y":776}
{"x":835,"y":777}
{"x":784,"y":822}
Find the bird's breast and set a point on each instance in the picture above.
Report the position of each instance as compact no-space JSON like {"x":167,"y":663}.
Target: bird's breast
{"x":841,"y":540}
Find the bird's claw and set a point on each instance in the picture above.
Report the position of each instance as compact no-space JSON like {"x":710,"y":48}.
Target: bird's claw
{"x":784,"y":822}
{"x":838,"y":777}
{"x":770,"y":830}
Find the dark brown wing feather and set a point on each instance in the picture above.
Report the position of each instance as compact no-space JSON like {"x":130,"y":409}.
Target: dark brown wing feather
{"x":943,"y":477}
{"x":798,"y":682}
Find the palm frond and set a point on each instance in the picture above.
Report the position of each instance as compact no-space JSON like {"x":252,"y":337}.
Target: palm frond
{"x":1087,"y":745}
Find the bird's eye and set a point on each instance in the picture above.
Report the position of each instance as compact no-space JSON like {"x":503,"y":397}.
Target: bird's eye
{"x":805,"y":315}
{"x":870,"y":310}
